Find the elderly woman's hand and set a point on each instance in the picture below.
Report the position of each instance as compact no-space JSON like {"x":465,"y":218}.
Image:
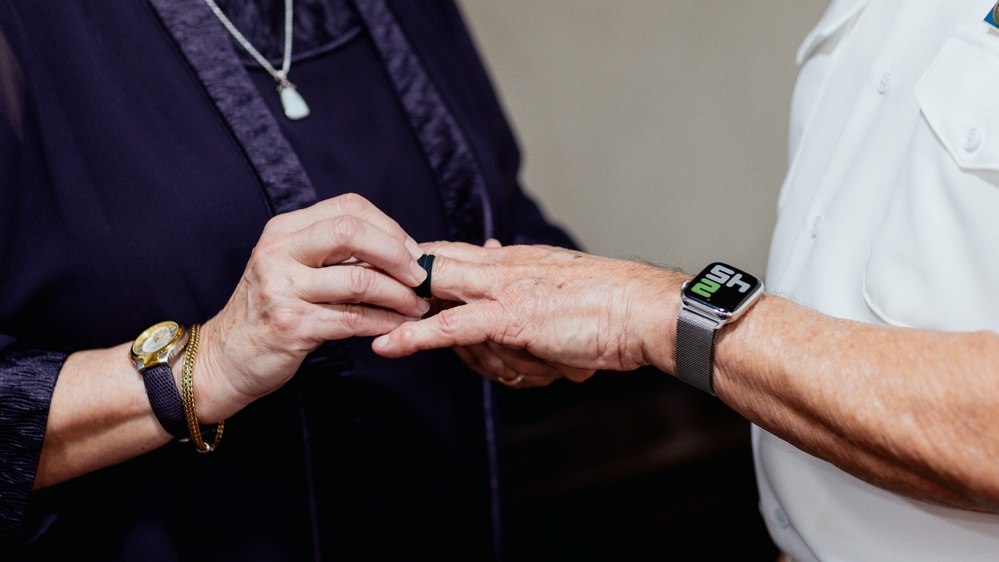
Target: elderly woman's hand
{"x":338,"y":269}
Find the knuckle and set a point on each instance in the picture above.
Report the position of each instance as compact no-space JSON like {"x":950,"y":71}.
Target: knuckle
{"x":255,"y":268}
{"x":359,"y":281}
{"x":269,"y":286}
{"x":494,"y":364}
{"x":406,"y":336}
{"x":352,"y":315}
{"x":283,"y":318}
{"x":267,"y":251}
{"x":275,"y":224}
{"x":268,"y":289}
{"x":449,"y":322}
{"x":352,"y":203}
{"x":343,"y":230}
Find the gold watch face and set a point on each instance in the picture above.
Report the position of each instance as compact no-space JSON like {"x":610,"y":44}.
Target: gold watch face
{"x":155,"y":339}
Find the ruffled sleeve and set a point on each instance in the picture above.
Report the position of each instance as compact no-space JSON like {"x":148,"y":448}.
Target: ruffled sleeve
{"x":27,"y":379}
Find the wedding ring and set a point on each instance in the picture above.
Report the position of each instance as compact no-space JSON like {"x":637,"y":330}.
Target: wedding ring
{"x":511,"y":382}
{"x":426,"y":261}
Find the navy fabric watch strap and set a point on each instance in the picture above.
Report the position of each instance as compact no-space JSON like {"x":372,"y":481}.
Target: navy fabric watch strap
{"x":165,"y":399}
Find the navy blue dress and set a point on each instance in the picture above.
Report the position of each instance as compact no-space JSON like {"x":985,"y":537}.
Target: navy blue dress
{"x":141,"y":154}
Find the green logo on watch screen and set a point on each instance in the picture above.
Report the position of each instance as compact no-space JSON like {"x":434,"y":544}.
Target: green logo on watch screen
{"x":719,"y":276}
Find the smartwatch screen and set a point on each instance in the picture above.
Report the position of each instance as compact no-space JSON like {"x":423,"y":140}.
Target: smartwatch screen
{"x":722,"y":287}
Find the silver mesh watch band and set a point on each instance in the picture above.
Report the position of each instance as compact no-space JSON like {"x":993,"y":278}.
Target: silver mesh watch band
{"x":695,"y":347}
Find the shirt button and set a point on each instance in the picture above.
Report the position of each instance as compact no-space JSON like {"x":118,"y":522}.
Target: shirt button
{"x":781,"y":518}
{"x":816,"y":225}
{"x":973,"y":141}
{"x":885,"y":82}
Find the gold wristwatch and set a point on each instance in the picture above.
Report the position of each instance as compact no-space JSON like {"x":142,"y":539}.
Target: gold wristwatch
{"x":153,"y":352}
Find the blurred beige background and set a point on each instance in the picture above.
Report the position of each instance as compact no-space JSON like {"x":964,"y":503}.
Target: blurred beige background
{"x":654,"y":129}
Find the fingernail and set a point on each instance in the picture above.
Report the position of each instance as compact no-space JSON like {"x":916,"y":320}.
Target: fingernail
{"x":380,"y":341}
{"x":418,"y":272}
{"x":424,"y":306}
{"x":413,"y":248}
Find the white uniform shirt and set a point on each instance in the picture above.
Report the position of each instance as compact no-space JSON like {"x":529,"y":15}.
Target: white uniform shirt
{"x":889,"y":214}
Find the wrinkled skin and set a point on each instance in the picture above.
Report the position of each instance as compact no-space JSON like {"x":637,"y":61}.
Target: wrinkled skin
{"x":554,"y":312}
{"x":338,"y":269}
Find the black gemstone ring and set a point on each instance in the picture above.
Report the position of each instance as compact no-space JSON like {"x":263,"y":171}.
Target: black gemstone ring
{"x":426,"y":261}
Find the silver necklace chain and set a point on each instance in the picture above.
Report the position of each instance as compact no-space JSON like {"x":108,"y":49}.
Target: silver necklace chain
{"x":280,"y":75}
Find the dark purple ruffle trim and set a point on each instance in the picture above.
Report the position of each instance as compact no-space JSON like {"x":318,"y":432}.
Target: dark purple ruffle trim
{"x":208,"y":48}
{"x":462,"y":186}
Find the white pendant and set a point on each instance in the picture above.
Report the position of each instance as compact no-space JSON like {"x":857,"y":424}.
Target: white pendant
{"x":294,"y":104}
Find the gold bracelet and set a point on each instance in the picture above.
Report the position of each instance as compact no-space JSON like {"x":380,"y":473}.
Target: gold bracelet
{"x":187,"y":395}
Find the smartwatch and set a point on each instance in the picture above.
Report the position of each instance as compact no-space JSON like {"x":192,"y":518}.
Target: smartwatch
{"x":156,"y":348}
{"x":714,"y":297}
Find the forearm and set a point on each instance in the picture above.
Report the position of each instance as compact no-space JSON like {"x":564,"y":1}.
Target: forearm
{"x":912,"y":411}
{"x":99,"y":416}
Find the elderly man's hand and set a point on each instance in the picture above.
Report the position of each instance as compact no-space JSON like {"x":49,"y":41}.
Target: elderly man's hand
{"x":512,"y":367}
{"x":571,"y":309}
